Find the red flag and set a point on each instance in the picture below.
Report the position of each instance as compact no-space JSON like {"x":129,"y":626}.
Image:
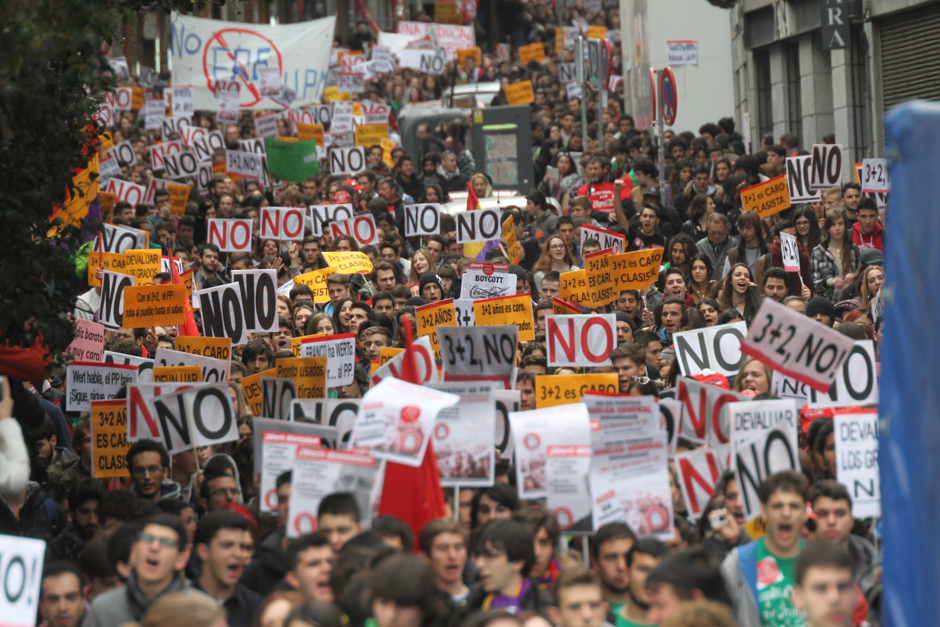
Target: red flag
{"x":473,"y":203}
{"x":413,"y":494}
{"x":190,"y":328}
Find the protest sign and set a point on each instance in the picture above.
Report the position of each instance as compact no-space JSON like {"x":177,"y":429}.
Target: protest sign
{"x":21,"y":562}
{"x":316,"y":281}
{"x":452,"y":38}
{"x":290,"y":47}
{"x":422,"y":219}
{"x":798,"y":179}
{"x":154,"y":305}
{"x":214,"y":347}
{"x":350,"y":82}
{"x":487,"y":280}
{"x":230,"y":235}
{"x":602,"y":284}
{"x":277,"y":396}
{"x":768,"y":197}
{"x":143,"y":365}
{"x":338,"y":414}
{"x":193,"y":417}
{"x":520,"y":93}
{"x":607,"y":239}
{"x":87,"y":381}
{"x":311,"y":131}
{"x":396,"y":420}
{"x":308,"y":374}
{"x":754,"y":460}
{"x":704,"y":413}
{"x":222,"y":313}
{"x":109,"y":442}
{"x":433,"y":315}
{"x":463,"y":55}
{"x":259,"y":299}
{"x":481,"y":225}
{"x":635,"y":270}
{"x":478,"y":352}
{"x":567,"y":72}
{"x":560,"y":307}
{"x":282,"y":223}
{"x":296,"y":341}
{"x":292,"y":162}
{"x":874,"y":177}
{"x":120,"y":239}
{"x":715,"y":348}
{"x":228,"y":99}
{"x":251,"y":386}
{"x":463,"y":436}
{"x":515,"y":310}
{"x":857,"y":466}
{"x":322,"y":215}
{"x":88,"y":344}
{"x":213,"y":370}
{"x":111,"y":305}
{"x":464,"y":310}
{"x":179,"y":166}
{"x":534,"y":432}
{"x":340,"y":351}
{"x":113,"y":262}
{"x":574,"y":287}
{"x":446,"y":12}
{"x":243,"y":164}
{"x":347,"y":161}
{"x":796,"y":345}
{"x":751,"y":418}
{"x":513,"y":250}
{"x":368,"y":135}
{"x":580,"y":340}
{"x":278,"y":450}
{"x":382,"y":58}
{"x":699,"y":471}
{"x":629,"y":481}
{"x":319,"y":471}
{"x":856,"y":382}
{"x":177,"y":374}
{"x":621,"y":417}
{"x":531,"y":52}
{"x":791,"y":252}
{"x":362,"y":228}
{"x":826,"y":166}
{"x":423,"y":356}
{"x":566,"y":470}
{"x":565,"y":389}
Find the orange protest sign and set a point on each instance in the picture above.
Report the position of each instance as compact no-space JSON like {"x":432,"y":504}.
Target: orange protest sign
{"x":597,"y":32}
{"x":107,"y":207}
{"x":637,"y":270}
{"x":316,"y":281}
{"x":154,"y":305}
{"x":515,"y":310}
{"x":566,"y":389}
{"x":767,"y":198}
{"x":520,"y":93}
{"x":177,"y":374}
{"x":371,"y":134}
{"x":348,"y":263}
{"x":137,"y":98}
{"x":532,"y":52}
{"x":187,"y":279}
{"x":109,"y":443}
{"x":142,"y":265}
{"x":330,"y":94}
{"x":308,"y":373}
{"x":562,"y":308}
{"x":469,"y":52}
{"x":387,"y":147}
{"x":512,"y":243}
{"x":310,"y":131}
{"x":214,"y":347}
{"x":113,"y":262}
{"x":574,"y":288}
{"x":447,"y":13}
{"x":251,"y":386}
{"x":179,"y":196}
{"x":429,"y":317}
{"x":602,"y":287}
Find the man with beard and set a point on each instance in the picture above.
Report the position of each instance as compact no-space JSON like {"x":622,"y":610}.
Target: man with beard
{"x":60,"y":598}
{"x":83,"y":507}
{"x":600,"y":190}
{"x":643,"y":557}
{"x":224,"y":543}
{"x":609,"y":549}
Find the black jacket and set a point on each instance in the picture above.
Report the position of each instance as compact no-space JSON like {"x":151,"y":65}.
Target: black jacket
{"x":38,"y":518}
{"x":241,"y":607}
{"x":267,"y":567}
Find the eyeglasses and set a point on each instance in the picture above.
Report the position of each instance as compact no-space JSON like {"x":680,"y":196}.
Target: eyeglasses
{"x":141,"y":471}
{"x":641,"y":380}
{"x":148,"y":538}
{"x":557,"y":247}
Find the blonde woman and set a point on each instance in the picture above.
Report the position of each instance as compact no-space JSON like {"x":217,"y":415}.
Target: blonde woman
{"x":185,"y":609}
{"x":754,"y":376}
{"x":421,"y":263}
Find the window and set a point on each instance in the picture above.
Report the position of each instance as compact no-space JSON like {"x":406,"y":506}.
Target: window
{"x":794,"y":94}
{"x":861,"y":94}
{"x":765,"y":109}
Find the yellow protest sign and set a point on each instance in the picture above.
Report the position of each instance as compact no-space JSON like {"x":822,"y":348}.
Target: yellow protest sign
{"x":574,"y":288}
{"x":447,"y":13}
{"x":562,"y":308}
{"x":512,"y":243}
{"x":113,"y":262}
{"x":532,"y":52}
{"x":767,"y":198}
{"x":308,"y":373}
{"x":387,"y":147}
{"x":251,"y":386}
{"x":109,"y":443}
{"x":520,"y":93}
{"x":637,"y":270}
{"x":316,"y":281}
{"x":602,"y":287}
{"x":348,"y":263}
{"x":515,"y":310}
{"x":142,"y":265}
{"x":371,"y":134}
{"x":107,"y":207}
{"x":565,"y":389}
{"x":178,"y":374}
{"x":330,"y":94}
{"x":187,"y":279}
{"x":154,"y":305}
{"x":179,"y":196}
{"x":431,"y":316}
{"x":295,"y":342}
{"x":214,"y":347}
{"x":387,"y":354}
{"x":597,"y":32}
{"x":469,"y":52}
{"x":137,"y":98}
{"x":310,"y":131}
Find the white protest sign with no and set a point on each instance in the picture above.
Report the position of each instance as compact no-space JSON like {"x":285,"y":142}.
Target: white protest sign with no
{"x":765,"y":454}
{"x":826,"y":166}
{"x":21,"y":562}
{"x":607,"y":239}
{"x":856,"y":382}
{"x":202,"y":415}
{"x":473,"y":353}
{"x":259,"y":299}
{"x":362,"y":228}
{"x":422,"y":219}
{"x":222,"y":313}
{"x":704,"y":416}
{"x":481,"y":225}
{"x":213,"y":370}
{"x":111,"y":305}
{"x":699,"y":472}
{"x":713,"y":348}
{"x":423,"y":356}
{"x":230,"y":235}
{"x":580,"y":340}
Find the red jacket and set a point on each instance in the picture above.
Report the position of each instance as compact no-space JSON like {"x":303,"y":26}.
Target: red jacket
{"x":875,"y":240}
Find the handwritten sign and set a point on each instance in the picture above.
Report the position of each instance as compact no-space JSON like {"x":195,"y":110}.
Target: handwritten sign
{"x":88,"y":344}
{"x":566,"y":389}
{"x":516,"y":310}
{"x":520,"y":93}
{"x":109,"y":443}
{"x":348,"y":263}
{"x":767,"y":198}
{"x":308,"y":373}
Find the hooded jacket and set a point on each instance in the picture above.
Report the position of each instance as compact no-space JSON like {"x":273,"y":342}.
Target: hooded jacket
{"x":128,"y":604}
{"x":875,"y":240}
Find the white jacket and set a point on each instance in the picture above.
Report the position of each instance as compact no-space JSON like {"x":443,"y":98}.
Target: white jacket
{"x":14,"y":458}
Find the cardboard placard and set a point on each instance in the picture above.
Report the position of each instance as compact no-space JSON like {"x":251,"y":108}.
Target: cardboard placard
{"x":142,"y":265}
{"x":368,"y":135}
{"x":340,"y":351}
{"x":422,"y":219}
{"x":177,"y":374}
{"x":756,"y":459}
{"x":214,"y":347}
{"x":560,"y":307}
{"x":699,"y":472}
{"x":433,"y":315}
{"x":767,"y":198}
{"x":704,"y":415}
{"x":574,"y":288}
{"x":565,"y":389}
{"x":251,"y":386}
{"x":193,"y":417}
{"x":308,"y":374}
{"x":87,"y":381}
{"x":213,"y":370}
{"x":473,"y":353}
{"x":712,"y":348}
{"x":520,"y":93}
{"x":534,"y":432}
{"x":154,"y":305}
{"x":311,"y":131}
{"x":464,"y":434}
{"x":857,"y":465}
{"x":487,"y":282}
{"x":88,"y":344}
{"x":516,"y":310}
{"x":223,"y":313}
{"x":481,"y":225}
{"x":580,"y":340}
{"x":607,"y":239}
{"x":513,"y":250}
{"x":474,"y":52}
{"x":348,"y":263}
{"x":21,"y":561}
{"x":109,"y":444}
{"x":531,"y":52}
{"x":111,"y":307}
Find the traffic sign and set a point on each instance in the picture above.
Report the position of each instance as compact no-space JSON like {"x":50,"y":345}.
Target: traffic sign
{"x":668,"y":97}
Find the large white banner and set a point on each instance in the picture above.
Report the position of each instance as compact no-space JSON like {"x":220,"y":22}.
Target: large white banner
{"x":204,"y":52}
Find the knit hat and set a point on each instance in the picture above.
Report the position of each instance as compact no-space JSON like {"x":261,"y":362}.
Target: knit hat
{"x":820,"y":305}
{"x":415,"y":301}
{"x":429,"y":277}
{"x":872,"y":257}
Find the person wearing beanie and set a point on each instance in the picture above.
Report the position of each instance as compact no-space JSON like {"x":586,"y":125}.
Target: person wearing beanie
{"x":430,"y":287}
{"x":624,"y":328}
{"x":871,"y":257}
{"x":415,"y":301}
{"x":821,"y":309}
